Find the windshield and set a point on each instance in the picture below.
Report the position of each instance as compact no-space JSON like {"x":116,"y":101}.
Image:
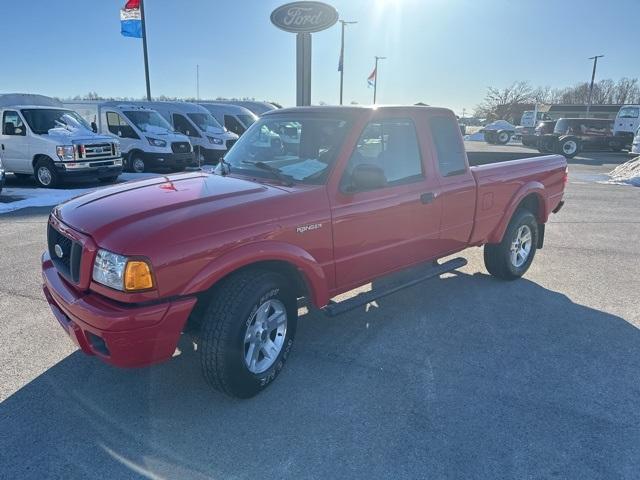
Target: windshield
{"x":248,"y":120}
{"x":41,"y":120}
{"x":629,"y":112}
{"x":204,"y":121}
{"x":148,"y":121}
{"x":301,"y":148}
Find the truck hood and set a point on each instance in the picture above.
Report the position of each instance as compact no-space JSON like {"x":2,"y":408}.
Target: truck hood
{"x":62,"y":136}
{"x":147,"y":208}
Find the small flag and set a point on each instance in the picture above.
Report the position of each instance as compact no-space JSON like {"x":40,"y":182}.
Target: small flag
{"x":131,"y":19}
{"x":372,"y":78}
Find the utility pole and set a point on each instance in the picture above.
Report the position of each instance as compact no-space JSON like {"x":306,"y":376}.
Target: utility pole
{"x":144,"y":48}
{"x":375,"y":80}
{"x":197,"y":82}
{"x":341,"y":64}
{"x":593,"y":76}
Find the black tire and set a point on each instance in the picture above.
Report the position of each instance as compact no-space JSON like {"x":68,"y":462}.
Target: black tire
{"x":569,"y":147}
{"x":45,"y":173}
{"x":111,"y":179}
{"x":503,"y":137}
{"x":224,"y":325}
{"x":498,"y":256}
{"x":135,"y":163}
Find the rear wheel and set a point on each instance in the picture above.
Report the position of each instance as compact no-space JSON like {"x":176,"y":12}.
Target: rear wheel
{"x":247,"y":332}
{"x":45,"y":173}
{"x":511,"y":258}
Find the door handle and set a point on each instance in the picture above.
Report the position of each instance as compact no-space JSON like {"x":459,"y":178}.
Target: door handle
{"x":427,"y":197}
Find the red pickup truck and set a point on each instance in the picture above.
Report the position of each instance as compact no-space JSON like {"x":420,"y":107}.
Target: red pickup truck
{"x":310,"y":202}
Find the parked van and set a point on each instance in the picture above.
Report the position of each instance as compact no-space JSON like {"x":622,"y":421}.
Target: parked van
{"x":41,"y":137}
{"x":635,"y":146}
{"x":235,"y":118}
{"x":209,"y":138}
{"x":627,"y":123}
{"x":146,"y":138}
{"x":256,"y":107}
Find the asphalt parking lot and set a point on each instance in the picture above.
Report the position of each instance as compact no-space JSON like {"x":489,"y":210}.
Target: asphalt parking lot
{"x":459,"y":377}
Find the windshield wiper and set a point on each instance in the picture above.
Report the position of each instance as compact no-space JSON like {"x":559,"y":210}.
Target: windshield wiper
{"x":283,"y":177}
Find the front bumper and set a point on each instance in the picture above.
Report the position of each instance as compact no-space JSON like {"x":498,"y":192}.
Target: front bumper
{"x":93,"y":169}
{"x":120,"y":335}
{"x":173,"y":160}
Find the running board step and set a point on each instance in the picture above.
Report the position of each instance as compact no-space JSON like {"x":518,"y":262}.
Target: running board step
{"x":337,"y":308}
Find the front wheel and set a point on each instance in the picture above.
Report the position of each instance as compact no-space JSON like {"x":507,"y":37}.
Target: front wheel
{"x":569,"y":147}
{"x":503,"y":138}
{"x":45,"y":173}
{"x":511,"y":258}
{"x":247,"y":332}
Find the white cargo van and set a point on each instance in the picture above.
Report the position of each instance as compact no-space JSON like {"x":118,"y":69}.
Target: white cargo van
{"x":626,"y":123}
{"x":210,"y":140}
{"x":146,"y":138}
{"x":235,"y":118}
{"x":42,"y":138}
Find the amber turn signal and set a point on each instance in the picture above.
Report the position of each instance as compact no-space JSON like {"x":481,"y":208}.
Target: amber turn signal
{"x":137,"y":276}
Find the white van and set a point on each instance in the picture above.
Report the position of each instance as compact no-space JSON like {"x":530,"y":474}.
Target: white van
{"x":635,"y":146}
{"x":146,"y":138}
{"x":626,"y":123}
{"x":42,"y":138}
{"x":210,"y":140}
{"x":256,"y":107}
{"x":235,"y":118}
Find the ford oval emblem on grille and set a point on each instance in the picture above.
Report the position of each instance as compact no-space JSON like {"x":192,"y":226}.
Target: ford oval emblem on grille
{"x":58,"y":250}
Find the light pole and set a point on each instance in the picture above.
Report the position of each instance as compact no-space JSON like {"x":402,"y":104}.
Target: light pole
{"x":197,"y":82}
{"x":143,"y":19}
{"x":341,"y":64}
{"x":593,"y":76}
{"x":375,"y":80}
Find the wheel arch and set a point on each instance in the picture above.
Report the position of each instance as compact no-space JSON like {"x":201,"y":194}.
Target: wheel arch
{"x":305,"y":272}
{"x":530,"y":196}
{"x":39,"y":156}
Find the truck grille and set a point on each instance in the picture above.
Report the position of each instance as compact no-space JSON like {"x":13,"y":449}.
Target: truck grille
{"x":66,"y":258}
{"x":230,"y":143}
{"x":180,"y":147}
{"x":97,"y":151}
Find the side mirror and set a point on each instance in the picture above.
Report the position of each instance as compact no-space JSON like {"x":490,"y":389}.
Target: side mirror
{"x":94,"y":127}
{"x":119,"y":133}
{"x":367,"y":177}
{"x":19,"y":131}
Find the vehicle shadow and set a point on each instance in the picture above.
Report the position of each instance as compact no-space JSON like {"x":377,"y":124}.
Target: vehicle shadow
{"x":461,"y":377}
{"x":600,"y":158}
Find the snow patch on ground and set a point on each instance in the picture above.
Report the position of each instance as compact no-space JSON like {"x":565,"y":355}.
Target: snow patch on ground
{"x":26,"y":197}
{"x":626,"y":174}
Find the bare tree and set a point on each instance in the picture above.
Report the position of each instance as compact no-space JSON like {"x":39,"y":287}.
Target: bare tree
{"x":501,"y":103}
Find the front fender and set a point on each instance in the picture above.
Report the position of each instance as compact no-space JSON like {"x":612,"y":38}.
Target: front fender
{"x":525,"y":190}
{"x":264,"y":251}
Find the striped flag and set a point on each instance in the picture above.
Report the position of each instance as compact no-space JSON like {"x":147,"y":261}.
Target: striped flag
{"x":131,"y":19}
{"x":372,"y":78}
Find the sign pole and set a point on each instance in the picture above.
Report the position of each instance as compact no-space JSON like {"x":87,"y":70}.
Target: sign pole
{"x":303,"y":68}
{"x":375,"y":80}
{"x":144,"y":48}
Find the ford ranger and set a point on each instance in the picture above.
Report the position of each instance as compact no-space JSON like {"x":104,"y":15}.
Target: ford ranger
{"x":226,"y":255}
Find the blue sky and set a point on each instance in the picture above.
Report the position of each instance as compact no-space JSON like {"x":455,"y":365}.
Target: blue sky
{"x":441,"y":52}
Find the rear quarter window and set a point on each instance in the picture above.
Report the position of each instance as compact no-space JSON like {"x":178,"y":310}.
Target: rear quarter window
{"x":449,"y":147}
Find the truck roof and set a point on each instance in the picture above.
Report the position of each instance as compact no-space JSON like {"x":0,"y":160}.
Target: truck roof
{"x":28,"y":99}
{"x":357,"y":109}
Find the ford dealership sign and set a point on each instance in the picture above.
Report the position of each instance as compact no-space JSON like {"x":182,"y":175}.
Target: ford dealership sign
{"x":304,"y":17}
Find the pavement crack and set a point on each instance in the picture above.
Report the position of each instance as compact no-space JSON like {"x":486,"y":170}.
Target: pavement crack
{"x":23,"y":295}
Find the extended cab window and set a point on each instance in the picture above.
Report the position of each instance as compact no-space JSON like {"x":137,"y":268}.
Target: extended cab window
{"x":449,"y":146}
{"x":387,"y":150}
{"x":233,"y":125}
{"x":183,"y":126}
{"x":12,"y":124}
{"x":119,"y":126}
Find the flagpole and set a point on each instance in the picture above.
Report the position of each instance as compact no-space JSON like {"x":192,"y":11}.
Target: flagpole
{"x":375,"y":80}
{"x":343,"y":22}
{"x":144,"y":48}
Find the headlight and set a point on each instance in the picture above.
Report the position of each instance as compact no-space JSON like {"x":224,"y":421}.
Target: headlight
{"x":215,"y":141}
{"x":66,"y":152}
{"x":116,"y":149}
{"x":121,"y":273}
{"x":156,"y":142}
